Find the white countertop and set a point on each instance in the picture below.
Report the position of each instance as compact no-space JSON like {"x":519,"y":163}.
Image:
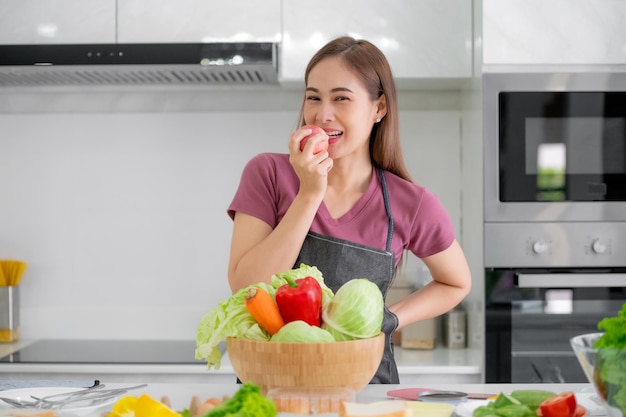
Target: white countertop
{"x":180,"y":395}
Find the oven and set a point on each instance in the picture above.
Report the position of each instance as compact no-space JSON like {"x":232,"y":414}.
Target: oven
{"x":554,"y":217}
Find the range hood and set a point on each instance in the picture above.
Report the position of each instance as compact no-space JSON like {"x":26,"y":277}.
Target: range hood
{"x":192,"y":64}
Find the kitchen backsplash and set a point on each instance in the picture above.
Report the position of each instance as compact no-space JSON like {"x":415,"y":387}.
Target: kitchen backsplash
{"x":122,"y":216}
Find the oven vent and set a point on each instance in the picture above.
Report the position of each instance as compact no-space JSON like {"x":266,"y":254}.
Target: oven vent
{"x":66,"y":76}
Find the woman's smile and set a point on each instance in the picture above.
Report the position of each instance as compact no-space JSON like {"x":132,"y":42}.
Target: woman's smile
{"x":333,"y":135}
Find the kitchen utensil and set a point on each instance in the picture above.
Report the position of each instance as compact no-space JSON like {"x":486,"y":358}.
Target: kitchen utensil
{"x":12,"y":271}
{"x":589,"y":358}
{"x":66,"y":396}
{"x":413,"y":393}
{"x":347,"y":364}
{"x":450,"y":397}
{"x":68,"y":399}
{"x":9,"y":313}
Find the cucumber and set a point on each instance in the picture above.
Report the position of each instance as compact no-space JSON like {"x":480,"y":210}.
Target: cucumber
{"x":532,"y":398}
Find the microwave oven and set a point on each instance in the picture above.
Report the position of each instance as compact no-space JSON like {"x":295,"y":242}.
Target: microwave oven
{"x":555,"y":146}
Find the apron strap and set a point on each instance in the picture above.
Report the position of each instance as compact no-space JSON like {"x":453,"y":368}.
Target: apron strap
{"x":383,"y":184}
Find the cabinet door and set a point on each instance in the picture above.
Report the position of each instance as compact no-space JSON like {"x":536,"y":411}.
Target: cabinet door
{"x":554,"y":32}
{"x":141,"y":21}
{"x":59,"y":21}
{"x":421,"y":39}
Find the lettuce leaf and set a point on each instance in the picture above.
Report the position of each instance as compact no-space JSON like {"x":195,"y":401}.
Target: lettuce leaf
{"x":247,"y":402}
{"x":611,"y":359}
{"x":229,"y":319}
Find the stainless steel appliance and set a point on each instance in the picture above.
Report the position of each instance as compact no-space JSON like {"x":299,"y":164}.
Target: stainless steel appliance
{"x":554,"y":217}
{"x":120,"y":64}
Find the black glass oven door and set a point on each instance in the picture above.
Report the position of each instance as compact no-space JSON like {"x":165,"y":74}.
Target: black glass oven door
{"x":562,"y":146}
{"x":531,"y":315}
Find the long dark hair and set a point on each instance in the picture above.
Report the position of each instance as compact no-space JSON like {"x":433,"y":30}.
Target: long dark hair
{"x":371,"y":66}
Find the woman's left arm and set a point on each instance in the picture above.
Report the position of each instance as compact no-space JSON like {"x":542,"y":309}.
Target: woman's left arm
{"x":451,"y":283}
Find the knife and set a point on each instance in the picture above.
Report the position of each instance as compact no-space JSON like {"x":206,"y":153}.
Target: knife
{"x":412,"y":394}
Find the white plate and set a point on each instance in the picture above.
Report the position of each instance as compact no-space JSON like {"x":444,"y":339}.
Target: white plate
{"x":69,"y":411}
{"x":467,"y":408}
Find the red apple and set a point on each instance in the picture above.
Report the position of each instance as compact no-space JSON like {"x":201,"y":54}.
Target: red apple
{"x":322,"y":146}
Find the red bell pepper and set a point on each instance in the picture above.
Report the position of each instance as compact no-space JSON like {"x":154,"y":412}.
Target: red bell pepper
{"x":300,"y":299}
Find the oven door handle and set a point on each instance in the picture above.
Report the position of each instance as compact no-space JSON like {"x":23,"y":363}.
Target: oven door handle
{"x":573,"y":280}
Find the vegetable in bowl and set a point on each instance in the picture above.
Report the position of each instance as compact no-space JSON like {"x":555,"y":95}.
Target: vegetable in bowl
{"x":610,"y":367}
{"x":356,"y":311}
{"x":231,"y":318}
{"x":602,"y":356}
{"x":272,"y":312}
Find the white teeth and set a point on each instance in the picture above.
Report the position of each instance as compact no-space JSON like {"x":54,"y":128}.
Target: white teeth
{"x":334,"y":133}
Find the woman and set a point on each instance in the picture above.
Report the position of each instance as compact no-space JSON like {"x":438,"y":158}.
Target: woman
{"x":351,"y":210}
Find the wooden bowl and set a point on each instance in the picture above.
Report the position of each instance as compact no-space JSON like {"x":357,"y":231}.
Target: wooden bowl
{"x":348,"y":364}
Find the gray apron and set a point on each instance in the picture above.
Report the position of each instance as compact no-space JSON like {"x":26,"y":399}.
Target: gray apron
{"x":340,"y":261}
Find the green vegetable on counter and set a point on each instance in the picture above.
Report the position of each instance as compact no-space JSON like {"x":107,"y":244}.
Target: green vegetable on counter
{"x":610,"y":365}
{"x":532,"y":398}
{"x":519,"y":403}
{"x":247,"y":402}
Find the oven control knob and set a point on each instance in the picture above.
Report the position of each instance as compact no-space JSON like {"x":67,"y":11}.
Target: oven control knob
{"x":598,"y":246}
{"x":540,"y":246}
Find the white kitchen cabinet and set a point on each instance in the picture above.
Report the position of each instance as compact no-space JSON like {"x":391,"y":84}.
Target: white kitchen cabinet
{"x":556,"y":32}
{"x":198,"y":21}
{"x":421,"y":39}
{"x":59,"y":21}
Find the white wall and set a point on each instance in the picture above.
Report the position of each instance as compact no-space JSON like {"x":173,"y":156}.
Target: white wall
{"x":122,"y":216}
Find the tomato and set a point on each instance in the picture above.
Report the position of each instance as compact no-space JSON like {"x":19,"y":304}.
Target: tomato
{"x":322,"y":146}
{"x":580,"y":411}
{"x":560,"y":405}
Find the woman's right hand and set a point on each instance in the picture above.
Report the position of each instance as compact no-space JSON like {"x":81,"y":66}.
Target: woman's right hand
{"x":311,"y":168}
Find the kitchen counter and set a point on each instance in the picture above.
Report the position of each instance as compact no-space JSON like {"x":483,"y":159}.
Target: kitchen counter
{"x":440,"y":365}
{"x":180,"y":395}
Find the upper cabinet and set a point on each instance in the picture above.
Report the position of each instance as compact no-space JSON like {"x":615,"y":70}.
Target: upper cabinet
{"x":554,"y":32}
{"x":59,"y":21}
{"x":166,"y":21}
{"x":421,"y":39}
{"x":428,"y":39}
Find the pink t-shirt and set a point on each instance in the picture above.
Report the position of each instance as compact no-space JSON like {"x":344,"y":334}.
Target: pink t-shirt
{"x":421,"y":224}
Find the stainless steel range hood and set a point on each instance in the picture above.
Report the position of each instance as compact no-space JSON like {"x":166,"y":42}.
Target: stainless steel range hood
{"x":192,"y":64}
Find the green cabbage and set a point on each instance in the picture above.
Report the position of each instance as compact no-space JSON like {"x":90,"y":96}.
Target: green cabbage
{"x":230,"y":318}
{"x":355,"y":312}
{"x":299,"y":331}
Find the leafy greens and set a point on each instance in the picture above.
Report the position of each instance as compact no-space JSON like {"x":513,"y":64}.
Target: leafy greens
{"x":610,"y":365}
{"x":231,"y":317}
